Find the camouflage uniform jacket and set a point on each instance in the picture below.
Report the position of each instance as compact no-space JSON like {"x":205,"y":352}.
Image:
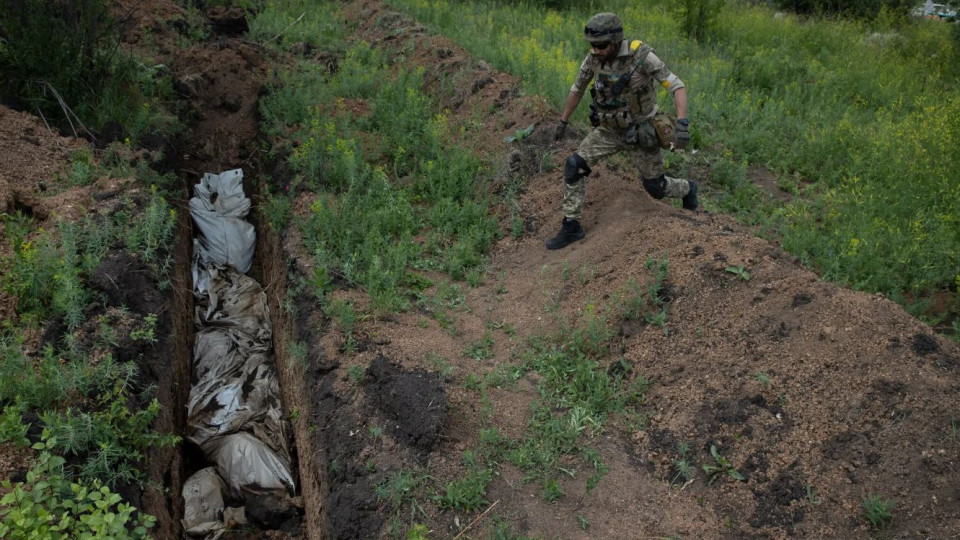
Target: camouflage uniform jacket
{"x":638,"y":101}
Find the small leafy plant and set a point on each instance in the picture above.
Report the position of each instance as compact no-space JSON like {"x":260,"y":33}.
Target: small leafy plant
{"x":877,"y":511}
{"x":552,"y":490}
{"x":682,"y":465}
{"x":740,"y":271}
{"x":50,"y":506}
{"x":419,"y":531}
{"x":481,"y":349}
{"x":720,"y":466}
{"x":148,"y":331}
{"x":520,"y":134}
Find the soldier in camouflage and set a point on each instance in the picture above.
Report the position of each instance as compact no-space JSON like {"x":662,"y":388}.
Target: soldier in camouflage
{"x":624,"y":75}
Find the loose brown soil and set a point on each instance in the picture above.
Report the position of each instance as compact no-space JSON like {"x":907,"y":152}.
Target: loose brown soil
{"x":818,"y":395}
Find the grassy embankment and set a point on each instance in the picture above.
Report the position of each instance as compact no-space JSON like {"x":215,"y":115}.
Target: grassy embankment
{"x":857,"y":121}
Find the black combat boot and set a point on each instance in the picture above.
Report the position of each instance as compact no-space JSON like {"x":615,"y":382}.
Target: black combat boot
{"x":570,"y":231}
{"x":690,"y":199}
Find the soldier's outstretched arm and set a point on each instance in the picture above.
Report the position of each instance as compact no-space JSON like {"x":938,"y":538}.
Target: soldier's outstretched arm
{"x":570,"y":105}
{"x":680,"y":100}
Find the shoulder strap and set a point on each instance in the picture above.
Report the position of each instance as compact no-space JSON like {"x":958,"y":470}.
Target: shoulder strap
{"x":641,"y":50}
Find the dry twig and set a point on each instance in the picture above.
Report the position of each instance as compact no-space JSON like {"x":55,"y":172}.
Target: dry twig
{"x":472,"y":523}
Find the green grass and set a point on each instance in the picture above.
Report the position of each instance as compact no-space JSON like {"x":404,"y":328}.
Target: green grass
{"x":401,"y":493}
{"x":577,"y":397}
{"x":482,"y":349}
{"x":861,"y":114}
{"x":367,"y":166}
{"x":468,"y":492}
{"x":580,"y":385}
{"x":877,"y":511}
{"x":578,"y":393}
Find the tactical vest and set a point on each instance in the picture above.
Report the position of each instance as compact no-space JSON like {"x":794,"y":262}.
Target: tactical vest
{"x":615,"y":102}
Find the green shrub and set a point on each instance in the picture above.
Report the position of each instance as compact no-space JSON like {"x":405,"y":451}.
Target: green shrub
{"x":85,"y":406}
{"x":111,"y":440}
{"x":698,"y":18}
{"x":12,"y":427}
{"x":151,"y":235}
{"x":61,"y":259}
{"x":55,"y":377}
{"x":62,"y":59}
{"x":51,"y":507}
{"x":83,"y":171}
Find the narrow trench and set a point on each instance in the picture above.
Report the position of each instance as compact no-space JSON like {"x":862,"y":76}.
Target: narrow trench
{"x":224,"y":132}
{"x":330,"y":453}
{"x":269,"y":270}
{"x":180,"y":344}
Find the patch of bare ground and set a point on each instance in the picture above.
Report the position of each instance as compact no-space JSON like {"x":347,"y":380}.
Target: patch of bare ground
{"x":819,"y":396}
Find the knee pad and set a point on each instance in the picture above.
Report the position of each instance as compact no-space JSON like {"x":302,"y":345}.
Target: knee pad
{"x":656,"y":187}
{"x":575,"y":169}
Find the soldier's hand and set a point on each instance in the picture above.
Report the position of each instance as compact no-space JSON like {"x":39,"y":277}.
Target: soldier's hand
{"x":561,"y":129}
{"x":682,"y":137}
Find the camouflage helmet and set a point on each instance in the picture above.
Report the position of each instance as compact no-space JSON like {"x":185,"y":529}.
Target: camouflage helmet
{"x":603,"y":27}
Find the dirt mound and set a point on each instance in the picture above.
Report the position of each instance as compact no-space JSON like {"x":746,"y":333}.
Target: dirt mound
{"x":413,"y":403}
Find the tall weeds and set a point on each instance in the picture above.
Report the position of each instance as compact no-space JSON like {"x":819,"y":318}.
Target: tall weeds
{"x":391,"y":194}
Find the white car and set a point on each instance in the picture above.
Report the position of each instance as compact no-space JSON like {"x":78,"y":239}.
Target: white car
{"x":936,"y":11}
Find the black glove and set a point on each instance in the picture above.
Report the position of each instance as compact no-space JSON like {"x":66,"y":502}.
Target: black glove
{"x":561,"y":129}
{"x":682,"y":137}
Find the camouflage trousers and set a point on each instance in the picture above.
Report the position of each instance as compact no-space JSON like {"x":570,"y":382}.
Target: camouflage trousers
{"x":602,"y":142}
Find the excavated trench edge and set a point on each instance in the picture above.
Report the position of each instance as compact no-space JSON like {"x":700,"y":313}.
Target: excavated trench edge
{"x":292,"y":375}
{"x":180,"y":343}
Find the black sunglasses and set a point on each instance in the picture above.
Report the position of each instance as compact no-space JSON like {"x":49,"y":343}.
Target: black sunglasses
{"x":600,"y":46}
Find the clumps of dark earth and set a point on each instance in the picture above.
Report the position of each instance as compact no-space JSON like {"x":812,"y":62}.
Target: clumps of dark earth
{"x":412,"y":402}
{"x":924,"y":344}
{"x":409,"y":404}
{"x":273,"y":512}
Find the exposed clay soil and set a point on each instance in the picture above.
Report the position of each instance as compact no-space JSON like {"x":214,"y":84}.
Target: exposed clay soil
{"x":857,"y":397}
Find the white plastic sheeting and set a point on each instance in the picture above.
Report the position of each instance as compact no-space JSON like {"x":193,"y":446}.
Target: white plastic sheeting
{"x":203,"y":504}
{"x":249,"y":464}
{"x":234,"y":411}
{"x":219,"y":209}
